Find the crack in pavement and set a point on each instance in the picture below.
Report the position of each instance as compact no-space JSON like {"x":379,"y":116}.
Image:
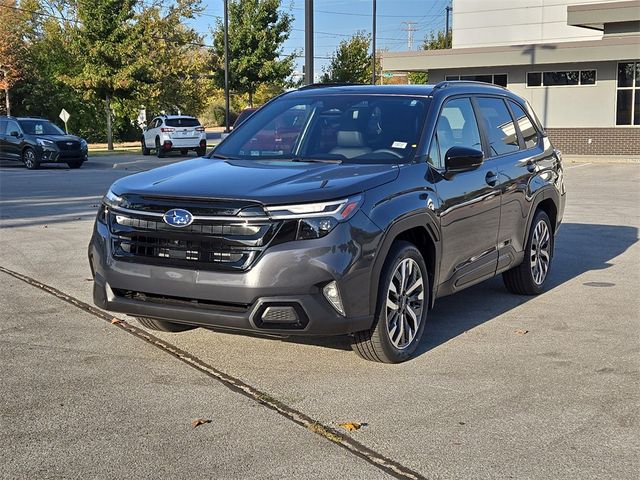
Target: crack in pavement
{"x":354,"y":447}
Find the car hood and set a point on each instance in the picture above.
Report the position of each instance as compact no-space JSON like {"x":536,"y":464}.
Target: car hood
{"x":58,"y":138}
{"x":267,"y":182}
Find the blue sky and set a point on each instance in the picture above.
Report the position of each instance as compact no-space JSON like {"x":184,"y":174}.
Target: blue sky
{"x":338,"y":19}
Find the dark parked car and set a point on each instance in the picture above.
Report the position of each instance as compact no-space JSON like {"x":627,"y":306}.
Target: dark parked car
{"x":382,"y":199}
{"x":33,"y":141}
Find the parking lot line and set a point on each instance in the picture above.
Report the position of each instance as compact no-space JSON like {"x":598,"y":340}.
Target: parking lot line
{"x":354,"y":447}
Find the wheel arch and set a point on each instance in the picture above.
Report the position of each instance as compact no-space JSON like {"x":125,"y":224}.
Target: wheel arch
{"x":547,"y":200}
{"x":420,"y":230}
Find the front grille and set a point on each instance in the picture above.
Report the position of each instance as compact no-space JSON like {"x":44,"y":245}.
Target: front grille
{"x":206,"y":244}
{"x":180,"y":301}
{"x":68,"y":145}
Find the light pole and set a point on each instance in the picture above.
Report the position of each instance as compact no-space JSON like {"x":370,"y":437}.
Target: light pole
{"x":373,"y":53}
{"x":6,"y":91}
{"x":226,"y":66}
{"x":308,"y":42}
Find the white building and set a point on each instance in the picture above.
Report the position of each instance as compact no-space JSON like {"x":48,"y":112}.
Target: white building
{"x":576,"y":61}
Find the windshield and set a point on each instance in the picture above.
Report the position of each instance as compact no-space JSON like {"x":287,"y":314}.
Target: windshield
{"x":39,"y":127}
{"x":347,"y":128}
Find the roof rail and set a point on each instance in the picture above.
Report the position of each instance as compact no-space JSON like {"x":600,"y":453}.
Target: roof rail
{"x":322,"y":85}
{"x":450,"y":83}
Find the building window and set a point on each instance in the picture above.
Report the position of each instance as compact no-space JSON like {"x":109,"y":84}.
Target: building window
{"x":496,"y":78}
{"x":561,"y":78}
{"x":628,"y":97}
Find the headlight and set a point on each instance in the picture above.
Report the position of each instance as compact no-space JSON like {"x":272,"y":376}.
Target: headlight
{"x":112,"y":200}
{"x":44,"y":143}
{"x":83,"y":143}
{"x":316,"y":220}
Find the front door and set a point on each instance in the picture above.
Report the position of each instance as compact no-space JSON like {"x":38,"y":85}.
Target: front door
{"x":11,"y":143}
{"x":469,"y":202}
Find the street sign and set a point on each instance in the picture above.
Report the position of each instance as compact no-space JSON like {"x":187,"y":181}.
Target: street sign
{"x":64,"y":116}
{"x":387,"y":74}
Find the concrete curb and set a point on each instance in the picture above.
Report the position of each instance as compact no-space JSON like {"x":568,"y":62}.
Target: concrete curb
{"x":601,"y":159}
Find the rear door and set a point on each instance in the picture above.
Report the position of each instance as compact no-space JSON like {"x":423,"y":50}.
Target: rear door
{"x":3,"y":128}
{"x":469,"y":201}
{"x":513,"y":143}
{"x":11,"y":144}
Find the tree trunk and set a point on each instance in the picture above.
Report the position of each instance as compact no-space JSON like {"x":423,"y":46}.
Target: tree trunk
{"x":107,"y":107}
{"x":250,"y":98}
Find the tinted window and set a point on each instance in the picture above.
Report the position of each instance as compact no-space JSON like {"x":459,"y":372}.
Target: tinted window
{"x":529,"y":133}
{"x":182,"y":122}
{"x":625,"y":74}
{"x":40,"y":127}
{"x":500,"y":79}
{"x":587,"y":77}
{"x":11,"y":127}
{"x":354,"y":128}
{"x":242,"y":117}
{"x":501,"y":130}
{"x":3,"y":126}
{"x":456,"y":126}
{"x":534,"y":79}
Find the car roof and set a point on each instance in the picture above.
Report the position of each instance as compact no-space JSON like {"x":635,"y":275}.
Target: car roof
{"x":169,"y":117}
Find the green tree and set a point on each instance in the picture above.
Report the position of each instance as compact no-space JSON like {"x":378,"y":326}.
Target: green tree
{"x":351,"y":62}
{"x":106,"y":42}
{"x":431,"y":41}
{"x":257,"y":31}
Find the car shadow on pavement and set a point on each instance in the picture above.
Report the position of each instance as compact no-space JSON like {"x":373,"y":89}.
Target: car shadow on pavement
{"x":576,"y":252}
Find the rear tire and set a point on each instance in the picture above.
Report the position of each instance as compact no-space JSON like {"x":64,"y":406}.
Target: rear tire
{"x":530,"y":276}
{"x":30,"y":159}
{"x":76,"y":164}
{"x":163,"y":325}
{"x":160,"y":152}
{"x":403,"y":300}
{"x":145,"y":151}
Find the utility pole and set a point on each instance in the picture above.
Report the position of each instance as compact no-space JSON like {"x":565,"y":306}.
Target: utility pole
{"x":446,"y":28}
{"x":6,"y":92}
{"x":308,"y":42}
{"x":226,"y":66}
{"x":373,"y":47}
{"x":410,"y":28}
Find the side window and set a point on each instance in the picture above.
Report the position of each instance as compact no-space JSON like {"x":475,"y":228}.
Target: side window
{"x":501,"y":130}
{"x":456,"y":126}
{"x":529,"y":132}
{"x":3,"y":127}
{"x":12,"y":127}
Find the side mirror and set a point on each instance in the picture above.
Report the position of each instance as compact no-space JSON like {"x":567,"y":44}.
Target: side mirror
{"x":14,"y":133}
{"x":462,"y":159}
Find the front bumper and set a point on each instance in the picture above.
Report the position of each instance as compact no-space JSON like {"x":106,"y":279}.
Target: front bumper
{"x":52,"y":154}
{"x":290,"y":274}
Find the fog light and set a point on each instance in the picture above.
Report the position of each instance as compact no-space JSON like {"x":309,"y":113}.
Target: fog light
{"x":332,"y":294}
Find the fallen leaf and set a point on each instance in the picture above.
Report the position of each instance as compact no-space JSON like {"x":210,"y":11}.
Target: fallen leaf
{"x":45,"y":226}
{"x":351,"y":426}
{"x":521,"y":331}
{"x":114,"y":321}
{"x":88,"y":279}
{"x":196,"y":422}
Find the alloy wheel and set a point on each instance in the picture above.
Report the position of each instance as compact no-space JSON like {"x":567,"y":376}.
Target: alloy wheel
{"x":405,"y":301}
{"x":29,"y":159}
{"x":540,"y":254}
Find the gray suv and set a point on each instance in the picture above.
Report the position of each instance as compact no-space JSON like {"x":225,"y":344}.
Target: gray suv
{"x":337,"y":210}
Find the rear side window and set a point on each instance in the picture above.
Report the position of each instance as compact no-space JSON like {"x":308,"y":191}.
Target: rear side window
{"x":11,"y":127}
{"x":3,"y":127}
{"x":501,"y":131}
{"x":456,"y":127}
{"x":182,"y":122}
{"x":529,"y":132}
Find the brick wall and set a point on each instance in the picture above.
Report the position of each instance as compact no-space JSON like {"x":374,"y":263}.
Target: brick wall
{"x":604,"y":141}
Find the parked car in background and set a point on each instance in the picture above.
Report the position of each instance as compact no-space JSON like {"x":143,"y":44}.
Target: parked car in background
{"x":338,"y":210}
{"x":34,"y":141}
{"x":174,"y":132}
{"x":244,"y":114}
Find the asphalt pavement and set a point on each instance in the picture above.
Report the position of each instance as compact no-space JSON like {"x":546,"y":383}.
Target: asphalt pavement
{"x":504,"y":386}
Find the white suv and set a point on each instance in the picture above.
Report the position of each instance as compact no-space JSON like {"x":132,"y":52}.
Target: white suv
{"x":174,"y":132}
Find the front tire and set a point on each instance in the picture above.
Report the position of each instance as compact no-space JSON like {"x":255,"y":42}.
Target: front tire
{"x":76,"y":164}
{"x":401,"y":312}
{"x":30,"y":159}
{"x":530,"y":276}
{"x":163,"y":325}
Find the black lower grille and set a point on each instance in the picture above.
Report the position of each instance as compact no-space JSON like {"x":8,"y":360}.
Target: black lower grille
{"x":209,"y":245}
{"x":69,"y":145}
{"x":180,"y":301}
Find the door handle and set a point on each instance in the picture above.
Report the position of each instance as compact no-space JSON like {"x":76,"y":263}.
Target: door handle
{"x":491,"y":178}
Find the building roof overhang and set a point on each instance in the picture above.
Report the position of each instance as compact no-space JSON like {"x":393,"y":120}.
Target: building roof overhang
{"x":607,"y":49}
{"x":597,"y":15}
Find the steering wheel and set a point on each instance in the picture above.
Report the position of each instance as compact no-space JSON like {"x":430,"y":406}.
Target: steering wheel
{"x":388,"y":150}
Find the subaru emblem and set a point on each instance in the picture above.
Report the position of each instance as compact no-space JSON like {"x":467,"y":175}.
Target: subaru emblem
{"x":69,"y":143}
{"x":178,"y":218}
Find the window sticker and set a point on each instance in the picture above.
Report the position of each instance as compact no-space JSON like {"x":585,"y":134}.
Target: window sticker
{"x":355,"y":114}
{"x":397,"y":144}
{"x":255,"y":153}
{"x":39,"y":130}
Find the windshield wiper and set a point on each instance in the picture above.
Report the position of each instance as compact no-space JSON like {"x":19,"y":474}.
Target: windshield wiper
{"x":316,"y":160}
